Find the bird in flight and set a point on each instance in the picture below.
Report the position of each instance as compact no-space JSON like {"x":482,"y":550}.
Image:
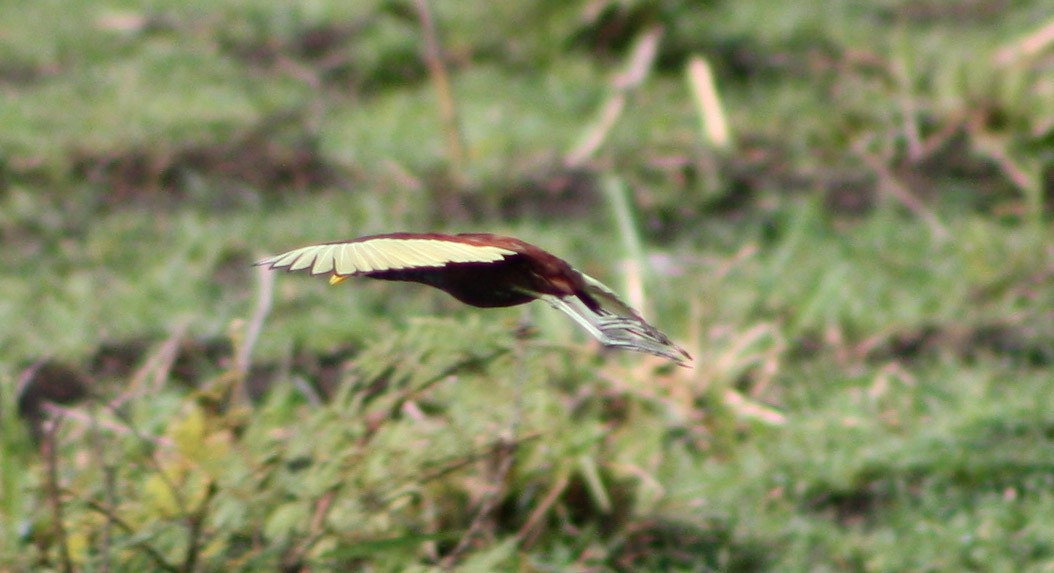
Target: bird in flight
{"x":486,"y":270}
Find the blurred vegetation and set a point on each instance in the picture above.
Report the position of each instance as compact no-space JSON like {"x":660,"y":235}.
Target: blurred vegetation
{"x":862,"y":271}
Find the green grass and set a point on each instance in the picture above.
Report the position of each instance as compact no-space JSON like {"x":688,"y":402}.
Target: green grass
{"x":871,"y":381}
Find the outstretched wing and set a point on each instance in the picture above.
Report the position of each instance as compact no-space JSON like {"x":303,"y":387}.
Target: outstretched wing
{"x":383,"y":253}
{"x":615,"y":323}
{"x":463,"y":260}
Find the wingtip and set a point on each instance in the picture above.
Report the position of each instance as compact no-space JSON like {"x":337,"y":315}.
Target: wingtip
{"x":677,"y":355}
{"x":686,"y":362}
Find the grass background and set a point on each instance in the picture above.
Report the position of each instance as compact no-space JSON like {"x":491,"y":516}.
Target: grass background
{"x":862,"y":274}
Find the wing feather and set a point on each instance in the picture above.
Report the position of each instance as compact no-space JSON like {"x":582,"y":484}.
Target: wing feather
{"x":323,"y":260}
{"x":470,"y":254}
{"x":395,"y":257}
{"x":283,"y":260}
{"x":466,"y":252}
{"x":361,"y":264}
{"x":383,"y":253}
{"x":444,"y":252}
{"x":629,"y":331}
{"x":411,"y":255}
{"x":344,"y":260}
{"x":373,"y":259}
{"x":428,"y":254}
{"x":609,"y":301}
{"x":437,"y":253}
{"x":305,"y":260}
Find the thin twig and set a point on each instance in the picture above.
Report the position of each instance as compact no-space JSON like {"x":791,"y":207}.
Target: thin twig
{"x":117,"y":520}
{"x":910,"y":129}
{"x":51,"y":458}
{"x":486,"y":505}
{"x":953,"y":124}
{"x":195,"y":525}
{"x":641,"y":60}
{"x":108,"y":480}
{"x":264,"y":298}
{"x":325,"y":501}
{"x":638,"y":65}
{"x":157,"y":365}
{"x":412,"y":393}
{"x":891,"y":184}
{"x":491,"y":450}
{"x":90,"y":420}
{"x":177,"y":494}
{"x":749,"y":409}
{"x":243,"y":360}
{"x":1027,"y":182}
{"x":316,"y":529}
{"x":1027,"y":47}
{"x":597,"y":132}
{"x":528,"y":532}
{"x":437,"y":71}
{"x":505,"y":451}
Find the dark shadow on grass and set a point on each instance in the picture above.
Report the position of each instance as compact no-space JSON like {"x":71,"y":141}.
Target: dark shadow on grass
{"x":1024,"y":344}
{"x":269,"y":161}
{"x":18,"y":75}
{"x":660,"y":544}
{"x":1018,"y":342}
{"x":338,"y":55}
{"x":856,"y":505}
{"x":992,"y":456}
{"x":555,"y":194}
{"x":48,"y":382}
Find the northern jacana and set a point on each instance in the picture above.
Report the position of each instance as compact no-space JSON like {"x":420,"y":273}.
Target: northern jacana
{"x":486,"y":270}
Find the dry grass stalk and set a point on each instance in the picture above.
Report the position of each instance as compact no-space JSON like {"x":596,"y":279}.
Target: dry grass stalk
{"x":889,"y":183}
{"x":712,"y":119}
{"x":440,"y":79}
{"x":640,"y":62}
{"x":1028,"y":47}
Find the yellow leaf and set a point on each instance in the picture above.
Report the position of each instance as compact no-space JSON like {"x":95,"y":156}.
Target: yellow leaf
{"x":188,"y":432}
{"x":159,"y":496}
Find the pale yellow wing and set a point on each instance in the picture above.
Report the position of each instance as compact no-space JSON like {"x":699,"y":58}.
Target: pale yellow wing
{"x":382,"y":254}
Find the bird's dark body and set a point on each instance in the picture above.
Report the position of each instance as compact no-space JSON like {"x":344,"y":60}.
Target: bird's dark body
{"x":518,"y":279}
{"x":478,"y":284}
